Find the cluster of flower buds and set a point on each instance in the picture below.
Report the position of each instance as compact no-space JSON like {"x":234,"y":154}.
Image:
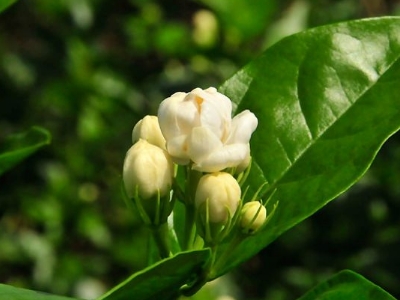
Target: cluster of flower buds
{"x":194,"y":130}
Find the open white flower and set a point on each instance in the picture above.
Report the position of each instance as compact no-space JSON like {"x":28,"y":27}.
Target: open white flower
{"x":198,"y":127}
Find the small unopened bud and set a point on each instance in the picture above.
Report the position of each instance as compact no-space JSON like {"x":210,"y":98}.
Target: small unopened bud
{"x":253,"y":216}
{"x":148,"y":170}
{"x":148,"y":129}
{"x":221,"y":192}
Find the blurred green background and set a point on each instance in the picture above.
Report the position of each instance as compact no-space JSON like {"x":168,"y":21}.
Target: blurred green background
{"x":88,"y":70}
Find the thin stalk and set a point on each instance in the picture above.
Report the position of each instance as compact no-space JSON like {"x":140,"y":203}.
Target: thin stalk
{"x":193,"y":178}
{"x":217,"y":264}
{"x":189,"y":233}
{"x":160,"y":236}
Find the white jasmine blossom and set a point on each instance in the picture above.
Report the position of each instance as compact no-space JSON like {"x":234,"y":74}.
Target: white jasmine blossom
{"x":198,"y":127}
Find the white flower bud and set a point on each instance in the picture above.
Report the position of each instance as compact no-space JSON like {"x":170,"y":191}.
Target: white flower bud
{"x":147,"y":168}
{"x":148,"y":129}
{"x":253,"y":216}
{"x":222,"y":193}
{"x":198,"y":127}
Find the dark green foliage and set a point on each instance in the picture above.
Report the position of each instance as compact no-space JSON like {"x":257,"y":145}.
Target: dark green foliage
{"x":88,"y":71}
{"x":4,"y":4}
{"x":162,"y":280}
{"x":8,"y":292}
{"x":346,"y":285}
{"x":313,"y":94}
{"x":17,"y":147}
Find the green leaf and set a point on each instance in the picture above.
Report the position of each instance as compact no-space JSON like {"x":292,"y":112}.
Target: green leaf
{"x":4,"y":4}
{"x":19,"y":146}
{"x":8,"y":292}
{"x":162,"y":280}
{"x":326,"y":100}
{"x":347,"y":285}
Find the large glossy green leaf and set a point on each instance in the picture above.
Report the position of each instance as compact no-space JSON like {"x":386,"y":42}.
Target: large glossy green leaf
{"x":347,"y":285}
{"x":162,"y":280}
{"x":6,"y":3}
{"x":19,"y":146}
{"x":326,"y":100}
{"x":8,"y":292}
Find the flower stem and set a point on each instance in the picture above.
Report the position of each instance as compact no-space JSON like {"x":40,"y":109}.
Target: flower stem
{"x":190,"y":232}
{"x":222,"y":259}
{"x":193,"y":178}
{"x":160,"y":236}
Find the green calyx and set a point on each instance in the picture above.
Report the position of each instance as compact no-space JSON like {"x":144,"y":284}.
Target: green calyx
{"x":155,"y":210}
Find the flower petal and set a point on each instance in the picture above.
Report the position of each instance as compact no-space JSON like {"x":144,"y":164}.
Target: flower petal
{"x":187,"y":116}
{"x":216,"y":112}
{"x":177,"y":148}
{"x":243,"y":125}
{"x":177,"y":116}
{"x":224,"y":157}
{"x":201,"y":143}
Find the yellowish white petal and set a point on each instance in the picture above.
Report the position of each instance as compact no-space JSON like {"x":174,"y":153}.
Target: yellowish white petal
{"x":148,"y":129}
{"x":198,"y":127}
{"x":177,"y":148}
{"x":201,"y":143}
{"x":243,"y":125}
{"x":225,"y":157}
